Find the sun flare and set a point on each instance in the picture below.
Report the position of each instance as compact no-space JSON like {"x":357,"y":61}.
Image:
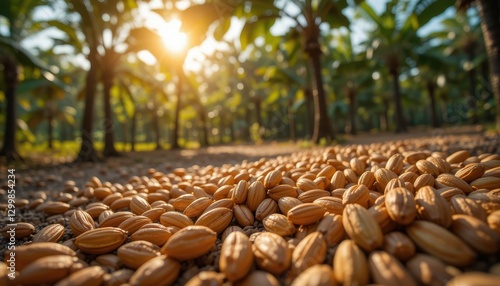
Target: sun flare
{"x":173,"y":38}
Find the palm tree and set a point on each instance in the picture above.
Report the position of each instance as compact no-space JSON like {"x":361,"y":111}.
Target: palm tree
{"x":20,"y":24}
{"x":394,"y":37}
{"x":489,"y":12}
{"x":261,"y":15}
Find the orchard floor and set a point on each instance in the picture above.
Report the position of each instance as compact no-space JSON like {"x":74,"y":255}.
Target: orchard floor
{"x":41,"y":173}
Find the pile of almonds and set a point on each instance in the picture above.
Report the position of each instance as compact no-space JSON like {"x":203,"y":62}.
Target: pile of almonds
{"x":390,"y":214}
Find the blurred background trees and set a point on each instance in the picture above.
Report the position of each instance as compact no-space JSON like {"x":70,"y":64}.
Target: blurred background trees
{"x":108,"y":76}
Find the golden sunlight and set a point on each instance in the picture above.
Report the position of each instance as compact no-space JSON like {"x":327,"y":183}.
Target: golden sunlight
{"x":173,"y":38}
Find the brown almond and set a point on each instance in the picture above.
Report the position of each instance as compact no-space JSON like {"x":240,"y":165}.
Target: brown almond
{"x":175,"y":219}
{"x":134,"y":254}
{"x":50,"y":233}
{"x":432,"y":207}
{"x":265,"y":208}
{"x":46,"y":270}
{"x":101,"y":240}
{"x":395,"y":163}
{"x":400,"y":205}
{"x":259,"y":278}
{"x":464,"y":205}
{"x":240,"y":192}
{"x":236,"y":257}
{"x":488,"y":183}
{"x":357,"y":194}
{"x":197,"y":207}
{"x":133,"y":224}
{"x":138,"y":205}
{"x":115,"y":219}
{"x":471,"y":172}
{"x":180,"y":245}
{"x":217,"y":219}
{"x":256,"y":194}
{"x":27,"y":253}
{"x":428,"y":269}
{"x":19,"y":230}
{"x":310,"y":251}
{"x":281,"y":191}
{"x":160,"y":270}
{"x":449,"y":180}
{"x":54,"y":208}
{"x":271,"y":253}
{"x":458,"y":157}
{"x":361,"y":227}
{"x":209,"y":278}
{"x":80,"y":222}
{"x":350,"y":266}
{"x":93,"y":275}
{"x":399,"y":245}
{"x":475,"y":233}
{"x":440,"y":243}
{"x":387,"y":270}
{"x":320,"y":275}
{"x":287,"y":203}
{"x":305,"y":214}
{"x":272,"y":179}
{"x":279,"y":224}
{"x":243,"y":215}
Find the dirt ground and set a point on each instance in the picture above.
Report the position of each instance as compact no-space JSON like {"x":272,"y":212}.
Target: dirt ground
{"x":119,"y":170}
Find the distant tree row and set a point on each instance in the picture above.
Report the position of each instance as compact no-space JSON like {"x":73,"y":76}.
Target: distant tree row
{"x":311,"y":83}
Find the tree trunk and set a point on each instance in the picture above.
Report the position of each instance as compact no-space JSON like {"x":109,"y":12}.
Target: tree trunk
{"x":351,"y":93}
{"x":175,"y":135}
{"x":258,"y":116}
{"x":309,"y":112}
{"x":472,"y":100}
{"x":109,"y":132}
{"x":203,"y":127}
{"x":322,"y":129}
{"x":156,"y":130}
{"x":400,"y":120}
{"x":87,"y":152}
{"x":133,"y":126}
{"x":11,"y":80}
{"x":291,"y":121}
{"x":432,"y":96}
{"x":489,"y":11}
{"x":248,"y":118}
{"x":50,"y":132}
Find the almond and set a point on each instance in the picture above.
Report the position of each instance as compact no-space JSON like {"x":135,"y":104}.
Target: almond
{"x":180,"y":245}
{"x":332,"y":204}
{"x":22,"y":230}
{"x":281,"y":191}
{"x":426,"y":167}
{"x":320,"y":275}
{"x":395,"y":163}
{"x":475,"y":233}
{"x":285,"y":204}
{"x":197,"y":207}
{"x":243,"y":215}
{"x":154,"y":233}
{"x":305,"y":214}
{"x":25,"y":254}
{"x":310,"y":251}
{"x":240,"y":192}
{"x":471,"y":172}
{"x":399,"y":245}
{"x":279,"y":224}
{"x":350,"y":266}
{"x":488,"y":183}
{"x":217,"y":219}
{"x":387,"y":270}
{"x":357,"y":194}
{"x":338,"y":180}
{"x":81,"y":222}
{"x":383,"y":176}
{"x":458,"y":157}
{"x":272,"y":179}
{"x":432,"y":207}
{"x":160,"y":270}
{"x":46,"y":270}
{"x":139,"y":205}
{"x":50,"y":233}
{"x":115,"y":219}
{"x":259,"y":278}
{"x":400,"y":205}
{"x":448,"y":180}
{"x":474,"y":278}
{"x":136,"y":253}
{"x":332,"y":229}
{"x":93,"y":275}
{"x":440,"y":243}
{"x":206,"y":278}
{"x":101,"y":240}
{"x":271,"y":253}
{"x":361,"y":227}
{"x":464,"y":205}
{"x":133,"y":224}
{"x":265,"y":208}
{"x":428,"y":269}
{"x":256,"y":194}
{"x":175,"y":219}
{"x":236,"y":257}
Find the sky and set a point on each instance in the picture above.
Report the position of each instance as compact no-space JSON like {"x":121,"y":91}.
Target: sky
{"x":358,"y":29}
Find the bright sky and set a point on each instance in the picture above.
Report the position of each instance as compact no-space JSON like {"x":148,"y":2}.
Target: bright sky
{"x":358,"y":28}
